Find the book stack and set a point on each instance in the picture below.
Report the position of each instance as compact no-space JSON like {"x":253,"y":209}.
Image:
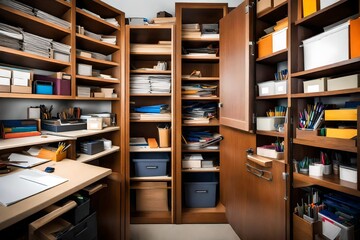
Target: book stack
{"x":198,"y":112}
{"x":190,"y":90}
{"x":108,"y":39}
{"x":52,"y":19}
{"x":192,"y":160}
{"x":191,"y":30}
{"x":60,"y":51}
{"x":19,"y":128}
{"x":36,"y":45}
{"x":164,"y":20}
{"x":10,"y":36}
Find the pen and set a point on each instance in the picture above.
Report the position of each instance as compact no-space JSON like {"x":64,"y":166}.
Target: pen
{"x":66,"y":147}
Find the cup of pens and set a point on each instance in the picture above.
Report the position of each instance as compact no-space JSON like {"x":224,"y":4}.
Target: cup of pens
{"x":164,"y":135}
{"x":54,"y":154}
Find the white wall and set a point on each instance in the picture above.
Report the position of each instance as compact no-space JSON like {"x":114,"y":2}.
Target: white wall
{"x":149,"y":8}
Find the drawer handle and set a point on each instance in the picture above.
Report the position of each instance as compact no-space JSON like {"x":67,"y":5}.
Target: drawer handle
{"x":201,"y":191}
{"x":259,"y":173}
{"x":152,"y":167}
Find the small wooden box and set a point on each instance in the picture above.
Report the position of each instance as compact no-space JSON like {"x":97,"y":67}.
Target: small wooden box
{"x":151,"y":196}
{"x":265,"y":46}
{"x":354,"y":38}
{"x":51,"y":154}
{"x":306,"y":134}
{"x":304,"y":230}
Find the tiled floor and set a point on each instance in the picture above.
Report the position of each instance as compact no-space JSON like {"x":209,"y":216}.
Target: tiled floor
{"x":182,"y":232}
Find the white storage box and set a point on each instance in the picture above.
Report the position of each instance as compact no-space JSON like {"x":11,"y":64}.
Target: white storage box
{"x":270,"y":153}
{"x":348,"y":174}
{"x":326,"y":3}
{"x":266,"y":88}
{"x":268,"y":123}
{"x":281,"y":87}
{"x":346,"y":82}
{"x":94,"y":123}
{"x":329,"y":47}
{"x":279,"y":40}
{"x":84,"y":69}
{"x":316,"y":170}
{"x":191,"y":163}
{"x":317,"y":85}
{"x":334,"y":230}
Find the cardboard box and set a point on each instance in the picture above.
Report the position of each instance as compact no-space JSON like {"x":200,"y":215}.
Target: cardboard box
{"x":51,"y":154}
{"x":281,"y":87}
{"x":354,"y":38}
{"x":317,"y":85}
{"x":348,"y":174}
{"x":279,"y":40}
{"x":265,"y":46}
{"x":94,"y":123}
{"x":5,"y":81}
{"x":309,"y":7}
{"x":153,"y":196}
{"x":268,"y":123}
{"x":164,"y":137}
{"x":21,"y":89}
{"x":317,"y":48}
{"x":266,"y":88}
{"x":326,"y":3}
{"x":4,"y":72}
{"x":263,"y":5}
{"x":341,"y":83}
{"x":341,"y":115}
{"x":341,"y":133}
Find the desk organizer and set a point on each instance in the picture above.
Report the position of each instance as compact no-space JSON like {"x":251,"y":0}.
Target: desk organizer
{"x":51,"y":154}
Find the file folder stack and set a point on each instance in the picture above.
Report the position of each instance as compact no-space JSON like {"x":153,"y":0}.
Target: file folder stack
{"x":61,"y":51}
{"x":52,"y":19}
{"x":18,"y":6}
{"x":161,"y":108}
{"x":139,"y":84}
{"x":201,"y":139}
{"x":10,"y":36}
{"x":199,"y":90}
{"x":197,"y":112}
{"x":108,"y":39}
{"x":36,"y":45}
{"x":160,"y":83}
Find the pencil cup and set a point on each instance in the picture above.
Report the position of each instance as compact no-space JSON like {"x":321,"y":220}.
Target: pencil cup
{"x":327,"y":169}
{"x":51,"y":154}
{"x":164,"y":137}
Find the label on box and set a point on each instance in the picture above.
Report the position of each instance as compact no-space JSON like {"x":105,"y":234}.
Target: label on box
{"x":4,"y":81}
{"x":20,"y":81}
{"x":313,"y":88}
{"x":265,"y":90}
{"x":5,"y":73}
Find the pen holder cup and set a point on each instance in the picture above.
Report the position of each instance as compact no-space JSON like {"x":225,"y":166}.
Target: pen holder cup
{"x":164,"y":137}
{"x":50,"y":154}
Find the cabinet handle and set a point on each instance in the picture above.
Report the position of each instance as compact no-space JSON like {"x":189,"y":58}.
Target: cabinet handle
{"x":285,"y":178}
{"x":201,"y":191}
{"x":151,"y":167}
{"x":259,"y":173}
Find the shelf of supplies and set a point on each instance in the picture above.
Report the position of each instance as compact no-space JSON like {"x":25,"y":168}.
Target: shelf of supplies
{"x":200,"y":150}
{"x":150,"y":71}
{"x":97,"y":63}
{"x":351,"y":65}
{"x":96,"y":79}
{"x":150,"y":120}
{"x":96,"y":99}
{"x":24,"y":59}
{"x":271,"y":133}
{"x":273,"y":58}
{"x":35,"y":96}
{"x":83,"y":133}
{"x":207,"y":58}
{"x":33,"y":24}
{"x":91,"y":44}
{"x":200,"y":79}
{"x":213,"y":122}
{"x":152,"y":179}
{"x":149,"y":217}
{"x":200,"y":39}
{"x":87,"y":158}
{"x":30,"y":141}
{"x":148,"y":149}
{"x":94,"y":23}
{"x":279,"y":96}
{"x":329,"y":181}
{"x":347,"y":145}
{"x":150,"y":95}
{"x":204,"y":215}
{"x":210,"y":169}
{"x":325,"y":94}
{"x":200,"y":98}
{"x":274,"y":14}
{"x":329,"y":15}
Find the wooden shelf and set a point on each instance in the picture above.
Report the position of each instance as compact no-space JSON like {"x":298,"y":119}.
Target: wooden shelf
{"x":151,"y":95}
{"x":35,"y":96}
{"x":351,"y":65}
{"x":330,"y":181}
{"x":96,"y":63}
{"x":87,"y":158}
{"x":347,"y":145}
{"x":203,"y":58}
{"x":152,"y":179}
{"x":55,"y":8}
{"x":329,"y":15}
{"x":96,"y":99}
{"x":260,"y":160}
{"x":137,"y":71}
{"x":11,"y":56}
{"x":150,"y":121}
{"x":200,"y":39}
{"x":93,"y":23}
{"x":83,"y":133}
{"x":279,"y":96}
{"x":151,"y":53}
{"x":274,"y":14}
{"x":274,"y":57}
{"x":200,"y":98}
{"x":200,"y":150}
{"x":148,"y":149}
{"x":151,"y":217}
{"x":271,"y":133}
{"x":200,"y":79}
{"x":199,"y":170}
{"x":94,"y":80}
{"x":326,"y":94}
{"x":213,"y":122}
{"x":87,"y":43}
{"x":33,"y":24}
{"x":204,"y":215}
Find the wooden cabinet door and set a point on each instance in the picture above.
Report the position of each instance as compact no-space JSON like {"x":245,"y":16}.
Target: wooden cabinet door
{"x":236,"y":68}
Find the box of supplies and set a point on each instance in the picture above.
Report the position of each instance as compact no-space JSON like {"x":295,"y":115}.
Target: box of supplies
{"x":331,"y":229}
{"x":265,"y":46}
{"x":309,"y":7}
{"x":269,"y":123}
{"x":341,"y":83}
{"x":84,"y":69}
{"x":266,"y":88}
{"x":280,"y":87}
{"x":326,"y":48}
{"x":316,"y":85}
{"x":150,"y":164}
{"x":279,"y":40}
{"x":348,"y":174}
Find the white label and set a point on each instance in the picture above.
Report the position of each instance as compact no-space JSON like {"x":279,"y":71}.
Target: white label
{"x":280,"y":88}
{"x":265,"y":90}
{"x":313,"y":88}
{"x":94,"y":125}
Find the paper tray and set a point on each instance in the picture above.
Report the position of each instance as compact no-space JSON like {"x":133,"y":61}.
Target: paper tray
{"x":63,"y":128}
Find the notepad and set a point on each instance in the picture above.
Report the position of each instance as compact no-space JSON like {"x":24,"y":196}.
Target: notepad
{"x":29,"y":161}
{"x":22,"y":184}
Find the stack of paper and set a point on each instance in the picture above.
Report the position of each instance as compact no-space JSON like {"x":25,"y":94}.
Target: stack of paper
{"x":18,"y":6}
{"x":92,"y":35}
{"x":10,"y":36}
{"x":112,"y":21}
{"x":108,"y":39}
{"x":36,"y":45}
{"x":198,"y":112}
{"x":139,"y":84}
{"x":150,"y":48}
{"x":150,"y":116}
{"x":101,"y":56}
{"x":50,"y":18}
{"x":138,"y":141}
{"x":94,"y":14}
{"x":201,"y":139}
{"x":192,"y":160}
{"x":160,"y":83}
{"x":191,"y":30}
{"x":61,"y":51}
{"x":83,"y":91}
{"x":198,"y":90}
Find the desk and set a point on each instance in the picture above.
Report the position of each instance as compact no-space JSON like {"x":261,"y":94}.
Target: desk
{"x":79,"y":175}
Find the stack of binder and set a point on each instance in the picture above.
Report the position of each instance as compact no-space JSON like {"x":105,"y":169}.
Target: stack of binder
{"x":198,"y":112}
{"x":36,"y":45}
{"x":10,"y":36}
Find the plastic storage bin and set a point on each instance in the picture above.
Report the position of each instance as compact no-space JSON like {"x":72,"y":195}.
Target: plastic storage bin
{"x":346,"y":82}
{"x":326,"y":48}
{"x":85,"y":230}
{"x":268,"y":123}
{"x":266,"y":88}
{"x":316,"y":85}
{"x":265,"y":46}
{"x":281,"y":87}
{"x":279,"y":40}
{"x":200,"y":190}
{"x":150,"y":164}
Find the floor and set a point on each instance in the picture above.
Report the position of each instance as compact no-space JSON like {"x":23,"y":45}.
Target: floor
{"x":182,"y":231}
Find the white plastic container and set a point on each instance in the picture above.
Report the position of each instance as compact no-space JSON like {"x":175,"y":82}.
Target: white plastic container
{"x":326,"y":3}
{"x":348,"y":174}
{"x":84,"y":69}
{"x":329,"y":47}
{"x":270,"y":153}
{"x":279,"y":40}
{"x":317,"y":85}
{"x":266,"y":88}
{"x":268,"y":123}
{"x":346,"y":82}
{"x":281,"y":87}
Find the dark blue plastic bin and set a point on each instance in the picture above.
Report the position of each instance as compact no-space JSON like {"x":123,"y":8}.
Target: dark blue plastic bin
{"x":150,"y":164}
{"x":200,"y":190}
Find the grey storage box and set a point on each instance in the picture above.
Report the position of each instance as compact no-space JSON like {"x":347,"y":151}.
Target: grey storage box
{"x":341,"y":83}
{"x":85,"y":230}
{"x":150,"y":164}
{"x":92,"y":147}
{"x":200,"y":190}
